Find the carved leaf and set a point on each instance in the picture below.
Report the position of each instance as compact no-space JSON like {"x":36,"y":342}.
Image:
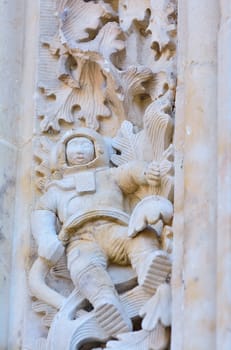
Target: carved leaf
{"x":42,"y":149}
{"x":48,"y":311}
{"x":160,"y":24}
{"x":124,"y":88}
{"x":162,"y":19}
{"x":164,"y":78}
{"x":90,"y":97}
{"x":142,"y":340}
{"x":76,"y":85}
{"x":55,"y":111}
{"x":157,"y":309}
{"x":107,"y":42}
{"x":50,"y":87}
{"x":133,"y":82}
{"x":131,"y":10}
{"x":79,"y":97}
{"x":79,"y":19}
{"x":115,"y":95}
{"x":126,"y":143}
{"x":167,"y":174}
{"x":158,"y":128}
{"x":148,"y":212}
{"x":158,"y":125}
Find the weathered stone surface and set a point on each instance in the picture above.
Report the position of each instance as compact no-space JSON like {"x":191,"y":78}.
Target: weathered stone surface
{"x":118,"y":78}
{"x":8,"y":159}
{"x":103,"y":169}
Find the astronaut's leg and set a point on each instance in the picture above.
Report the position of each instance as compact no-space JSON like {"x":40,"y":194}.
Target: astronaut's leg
{"x":153,"y":266}
{"x":87,"y":264}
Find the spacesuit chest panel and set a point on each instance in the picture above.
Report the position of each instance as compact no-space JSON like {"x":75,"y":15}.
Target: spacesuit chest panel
{"x":100,"y":192}
{"x":85,"y":182}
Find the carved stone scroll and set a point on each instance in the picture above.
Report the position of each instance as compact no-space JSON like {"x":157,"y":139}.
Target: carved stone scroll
{"x":103,"y":156}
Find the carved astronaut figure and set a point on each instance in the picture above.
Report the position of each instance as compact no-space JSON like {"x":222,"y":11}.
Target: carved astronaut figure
{"x":88,"y":202}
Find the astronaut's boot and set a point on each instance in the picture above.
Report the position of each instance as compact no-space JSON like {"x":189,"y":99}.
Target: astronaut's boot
{"x":96,"y":285}
{"x":154,"y":270}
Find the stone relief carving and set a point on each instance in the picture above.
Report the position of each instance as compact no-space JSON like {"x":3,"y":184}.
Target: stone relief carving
{"x":104,"y":174}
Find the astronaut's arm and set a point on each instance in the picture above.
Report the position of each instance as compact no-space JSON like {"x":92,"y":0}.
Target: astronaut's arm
{"x":134,"y":174}
{"x":44,"y":230}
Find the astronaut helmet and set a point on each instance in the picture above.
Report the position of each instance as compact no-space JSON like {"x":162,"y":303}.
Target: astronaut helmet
{"x":92,"y":148}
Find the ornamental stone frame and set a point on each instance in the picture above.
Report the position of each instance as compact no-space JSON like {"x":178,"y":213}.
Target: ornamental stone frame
{"x":131,"y":51}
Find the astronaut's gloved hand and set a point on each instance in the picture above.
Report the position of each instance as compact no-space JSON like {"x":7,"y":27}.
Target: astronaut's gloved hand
{"x":152,"y":174}
{"x":51,"y":250}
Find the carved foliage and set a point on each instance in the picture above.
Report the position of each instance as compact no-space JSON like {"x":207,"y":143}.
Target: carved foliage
{"x":82,"y":56}
{"x":108,"y":66}
{"x":142,"y":340}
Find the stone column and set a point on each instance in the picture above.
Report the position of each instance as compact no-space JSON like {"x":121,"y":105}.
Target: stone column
{"x":20,"y":305}
{"x":194,"y":271}
{"x":224,"y":181}
{"x":11,"y":56}
{"x":18,"y":56}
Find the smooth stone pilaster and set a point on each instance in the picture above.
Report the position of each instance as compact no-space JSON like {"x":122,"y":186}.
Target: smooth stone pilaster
{"x":8,"y":159}
{"x":179,"y":135}
{"x":224,"y":181}
{"x":11,"y":59}
{"x":195,"y":251}
{"x":21,"y":322}
{"x":18,"y":57}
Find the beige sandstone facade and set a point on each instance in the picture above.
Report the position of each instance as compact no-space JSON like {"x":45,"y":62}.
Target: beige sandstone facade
{"x":133,"y":102}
